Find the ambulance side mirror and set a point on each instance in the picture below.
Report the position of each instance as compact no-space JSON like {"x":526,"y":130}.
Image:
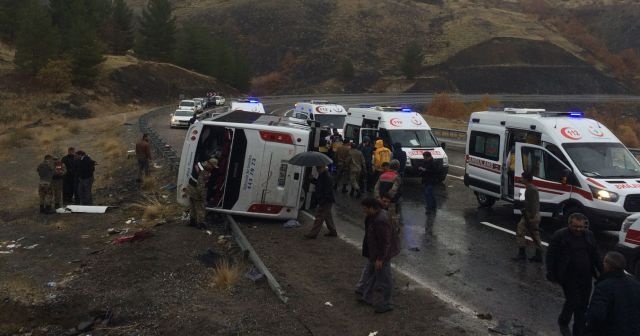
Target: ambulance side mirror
{"x":443,"y":145}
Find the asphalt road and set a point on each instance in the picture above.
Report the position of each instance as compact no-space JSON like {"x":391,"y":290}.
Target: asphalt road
{"x":462,"y":253}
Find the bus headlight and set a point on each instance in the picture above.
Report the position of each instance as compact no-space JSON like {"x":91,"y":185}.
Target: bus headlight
{"x":604,"y":195}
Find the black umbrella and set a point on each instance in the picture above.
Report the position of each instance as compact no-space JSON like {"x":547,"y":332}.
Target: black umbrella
{"x":310,"y":159}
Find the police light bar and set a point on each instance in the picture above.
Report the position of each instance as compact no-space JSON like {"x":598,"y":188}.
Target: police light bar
{"x":407,"y":109}
{"x":253,"y":100}
{"x":576,"y":114}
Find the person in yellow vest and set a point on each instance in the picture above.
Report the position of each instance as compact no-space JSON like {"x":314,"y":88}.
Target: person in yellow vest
{"x":381,"y":155}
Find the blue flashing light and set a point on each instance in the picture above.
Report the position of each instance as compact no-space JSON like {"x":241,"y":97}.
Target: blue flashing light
{"x":576,"y":114}
{"x":406,"y":109}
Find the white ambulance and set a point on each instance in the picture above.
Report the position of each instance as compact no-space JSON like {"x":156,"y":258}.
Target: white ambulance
{"x":396,"y":125}
{"x":329,"y":115}
{"x":629,"y":242}
{"x":577,"y":163}
{"x":247,"y":104}
{"x":254,"y":176}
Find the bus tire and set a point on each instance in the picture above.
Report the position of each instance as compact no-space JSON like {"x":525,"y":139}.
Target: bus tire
{"x":485,"y":200}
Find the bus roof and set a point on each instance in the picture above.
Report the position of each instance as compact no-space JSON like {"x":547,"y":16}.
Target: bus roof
{"x":253,"y":118}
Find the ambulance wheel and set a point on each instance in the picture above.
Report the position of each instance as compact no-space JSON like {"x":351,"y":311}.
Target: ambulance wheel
{"x":484,"y":200}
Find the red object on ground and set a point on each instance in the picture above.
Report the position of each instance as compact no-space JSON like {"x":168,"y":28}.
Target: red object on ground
{"x":140,"y":235}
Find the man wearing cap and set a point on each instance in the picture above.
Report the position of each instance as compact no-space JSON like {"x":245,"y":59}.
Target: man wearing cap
{"x":197,"y":191}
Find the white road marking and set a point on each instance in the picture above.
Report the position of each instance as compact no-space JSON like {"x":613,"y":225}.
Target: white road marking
{"x":454,"y":166}
{"x":419,"y":280}
{"x":509,"y":231}
{"x":456,"y":177}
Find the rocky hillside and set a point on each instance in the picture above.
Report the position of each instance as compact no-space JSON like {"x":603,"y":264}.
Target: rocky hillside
{"x":468,"y":45}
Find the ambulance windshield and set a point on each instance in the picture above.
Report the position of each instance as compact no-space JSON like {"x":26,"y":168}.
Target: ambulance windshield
{"x":330,"y":120}
{"x":413,"y":138}
{"x":599,"y":159}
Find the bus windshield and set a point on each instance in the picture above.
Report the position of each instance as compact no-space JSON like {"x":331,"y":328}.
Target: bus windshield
{"x":413,"y":138}
{"x":603,"y":159}
{"x":331,"y":120}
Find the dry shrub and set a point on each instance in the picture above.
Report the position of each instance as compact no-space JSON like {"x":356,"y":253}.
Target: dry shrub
{"x":56,"y":75}
{"x":49,"y":136}
{"x":17,"y":137}
{"x":443,"y":106}
{"x":112,"y":148}
{"x":268,"y":83}
{"x":74,"y":129}
{"x":152,"y":208}
{"x":225,"y":275}
{"x":484,"y":104}
{"x":627,"y":135}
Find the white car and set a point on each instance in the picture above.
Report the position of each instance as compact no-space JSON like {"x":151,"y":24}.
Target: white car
{"x":629,"y":242}
{"x":200,"y":102}
{"x":180,"y":118}
{"x":187,"y":105}
{"x":219,"y":100}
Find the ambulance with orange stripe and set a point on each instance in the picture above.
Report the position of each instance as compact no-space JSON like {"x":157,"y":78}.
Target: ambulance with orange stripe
{"x":578,"y":164}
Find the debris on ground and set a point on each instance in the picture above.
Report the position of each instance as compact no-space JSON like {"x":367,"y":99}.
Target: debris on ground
{"x":253,"y":274}
{"x":138,"y":236}
{"x":112,"y":231}
{"x":130,"y":221}
{"x":168,"y":187}
{"x":82,"y":209}
{"x":210,"y":258}
{"x":484,"y":316}
{"x":373,"y":333}
{"x":415,"y":249}
{"x":292,"y":223}
{"x":450,"y":273}
{"x":328,"y":304}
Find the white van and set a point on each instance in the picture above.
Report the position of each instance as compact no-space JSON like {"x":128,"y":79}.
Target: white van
{"x":629,"y":242}
{"x":329,"y":115}
{"x":577,"y":163}
{"x":396,"y":125}
{"x":253,"y":150}
{"x":247,"y":104}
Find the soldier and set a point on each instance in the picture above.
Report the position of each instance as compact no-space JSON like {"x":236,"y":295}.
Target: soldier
{"x":356,"y":168}
{"x":70,"y":178}
{"x":197,"y":191}
{"x":342,"y":159}
{"x":530,"y":220}
{"x":45,"y":171}
{"x":367,"y":152}
{"x":59,"y":171}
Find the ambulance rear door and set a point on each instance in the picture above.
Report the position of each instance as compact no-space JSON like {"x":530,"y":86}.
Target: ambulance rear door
{"x":550,"y":176}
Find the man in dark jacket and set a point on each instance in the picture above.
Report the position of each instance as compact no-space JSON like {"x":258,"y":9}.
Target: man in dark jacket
{"x":429,"y":171}
{"x":69,"y":181}
{"x":615,"y":305}
{"x":324,"y":198}
{"x":401,"y":156}
{"x":85,"y":167}
{"x":45,"y":172}
{"x":382,"y":245}
{"x":367,"y":151}
{"x":572,"y":261}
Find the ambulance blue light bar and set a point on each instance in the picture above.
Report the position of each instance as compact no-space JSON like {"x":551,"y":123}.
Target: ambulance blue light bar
{"x":253,"y":100}
{"x":576,"y":114}
{"x":406,"y":109}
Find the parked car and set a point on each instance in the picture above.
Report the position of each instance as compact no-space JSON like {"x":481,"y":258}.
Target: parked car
{"x":188,"y":105}
{"x":219,"y":100}
{"x":180,"y":118}
{"x":200,"y":104}
{"x":629,"y":242}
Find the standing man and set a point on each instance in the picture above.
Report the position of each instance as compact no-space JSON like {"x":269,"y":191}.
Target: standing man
{"x":389,"y":183}
{"x":381,"y":155}
{"x":572,"y":262}
{"x":324,"y":198}
{"x":45,"y":171}
{"x":401,"y":156}
{"x":356,"y":168}
{"x":85,"y":168}
{"x":343,"y":161}
{"x":382,"y":246}
{"x":530,"y":221}
{"x":57,"y":183}
{"x":69,"y":183}
{"x":143,"y":153}
{"x":615,"y":304}
{"x":429,"y":173}
{"x":367,"y":152}
{"x":197,"y":191}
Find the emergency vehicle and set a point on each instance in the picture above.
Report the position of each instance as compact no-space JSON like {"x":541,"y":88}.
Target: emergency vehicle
{"x":329,"y":115}
{"x":397,"y":125}
{"x":577,"y":163}
{"x":254,"y":177}
{"x":629,"y":242}
{"x":247,"y":104}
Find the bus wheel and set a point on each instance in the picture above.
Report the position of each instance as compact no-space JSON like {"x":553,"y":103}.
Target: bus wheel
{"x":484,"y":200}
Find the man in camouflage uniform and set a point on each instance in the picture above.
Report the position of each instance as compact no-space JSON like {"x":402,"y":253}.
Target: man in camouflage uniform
{"x":45,"y":171}
{"x":356,"y":167}
{"x":342,"y":158}
{"x":197,"y":191}
{"x":57,"y":182}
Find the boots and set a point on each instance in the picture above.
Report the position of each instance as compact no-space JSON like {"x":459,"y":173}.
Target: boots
{"x":521,"y":256}
{"x":538,"y":257}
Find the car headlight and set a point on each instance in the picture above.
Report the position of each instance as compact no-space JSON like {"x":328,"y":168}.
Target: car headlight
{"x":627,"y":224}
{"x":445,"y":160}
{"x":603,"y":195}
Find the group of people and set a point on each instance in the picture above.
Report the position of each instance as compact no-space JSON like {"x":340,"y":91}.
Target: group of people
{"x":573,"y":262}
{"x":65,"y":180}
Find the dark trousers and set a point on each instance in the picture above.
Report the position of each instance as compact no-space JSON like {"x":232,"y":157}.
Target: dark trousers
{"x":576,"y":294}
{"x":84,"y":191}
{"x":367,"y":273}
{"x":429,"y":197}
{"x":68,"y":189}
{"x":378,"y":289}
{"x":323,"y":215}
